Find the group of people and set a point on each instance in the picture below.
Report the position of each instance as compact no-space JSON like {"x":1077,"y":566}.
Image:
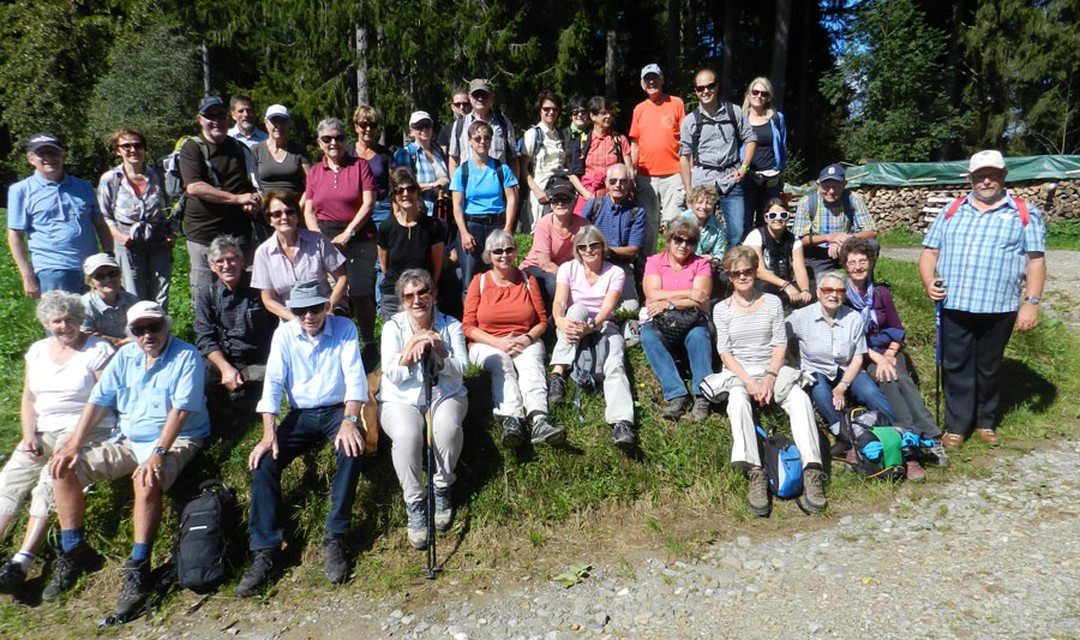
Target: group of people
{"x":790,"y":311}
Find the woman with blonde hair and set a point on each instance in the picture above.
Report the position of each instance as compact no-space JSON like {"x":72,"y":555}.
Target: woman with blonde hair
{"x":767,"y":166}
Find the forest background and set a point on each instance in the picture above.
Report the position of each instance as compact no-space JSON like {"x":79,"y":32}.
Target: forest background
{"x":859,"y":80}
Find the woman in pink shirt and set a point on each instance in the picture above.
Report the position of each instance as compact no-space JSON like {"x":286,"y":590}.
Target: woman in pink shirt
{"x":553,"y":238}
{"x":677,"y":286}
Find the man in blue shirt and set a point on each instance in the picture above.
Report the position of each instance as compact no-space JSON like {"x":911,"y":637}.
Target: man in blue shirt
{"x":315,"y":362}
{"x":622,"y":222}
{"x":55,"y":215}
{"x":155,"y":385}
{"x":978,"y":253}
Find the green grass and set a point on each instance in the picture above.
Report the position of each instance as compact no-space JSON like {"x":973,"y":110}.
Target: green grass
{"x":514,"y":506}
{"x":1059,"y":235}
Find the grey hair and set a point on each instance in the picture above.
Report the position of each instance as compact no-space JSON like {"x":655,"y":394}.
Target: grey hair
{"x":330,"y":123}
{"x":497,"y":238}
{"x":587,"y":234}
{"x":67,"y":305}
{"x":614,"y":167}
{"x":414,"y":275}
{"x":833,"y":275}
{"x":223,"y":242}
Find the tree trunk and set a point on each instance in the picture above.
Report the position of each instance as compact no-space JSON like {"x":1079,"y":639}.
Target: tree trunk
{"x":362,"y":96}
{"x":206,"y":68}
{"x":778,"y":75}
{"x":672,"y":53}
{"x":728,"y":44}
{"x":611,"y":76}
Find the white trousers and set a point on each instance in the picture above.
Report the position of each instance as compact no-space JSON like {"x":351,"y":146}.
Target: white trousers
{"x":619,"y":403}
{"x":405,"y":425}
{"x":744,"y":447}
{"x":518,"y":383}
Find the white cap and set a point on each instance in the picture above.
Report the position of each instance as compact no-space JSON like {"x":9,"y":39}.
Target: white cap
{"x":277,"y":111}
{"x":989,"y":159}
{"x":97,"y":261}
{"x":651,"y":68}
{"x":419,"y":116}
{"x":144,"y":309}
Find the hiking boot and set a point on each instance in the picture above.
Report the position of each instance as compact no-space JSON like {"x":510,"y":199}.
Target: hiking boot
{"x":952,"y":440}
{"x":11,"y":577}
{"x":915,"y":471}
{"x":757,"y":492}
{"x":937,"y":452}
{"x":68,"y":567}
{"x":701,"y":409}
{"x":135,"y":590}
{"x":989,"y":436}
{"x":556,"y":389}
{"x":417,"y":526}
{"x":444,"y":509}
{"x":262,"y":565}
{"x":513,"y":435}
{"x":543,"y":432}
{"x":814,"y":490}
{"x":675,"y":407}
{"x":336,"y":555}
{"x":622,"y":435}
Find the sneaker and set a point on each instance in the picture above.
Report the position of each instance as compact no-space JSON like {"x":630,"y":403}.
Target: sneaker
{"x":622,"y":435}
{"x":135,"y":590}
{"x":262,"y":565}
{"x":68,"y":567}
{"x":757,"y":492}
{"x":675,"y":407}
{"x":915,"y":471}
{"x":336,"y":555}
{"x":11,"y":577}
{"x":444,"y":509}
{"x":952,"y":440}
{"x":556,"y":389}
{"x":814,"y":490}
{"x":631,"y":332}
{"x":513,"y":435}
{"x":543,"y":432}
{"x":701,"y":409}
{"x":988,"y":435}
{"x":937,"y":452}
{"x":417,"y":526}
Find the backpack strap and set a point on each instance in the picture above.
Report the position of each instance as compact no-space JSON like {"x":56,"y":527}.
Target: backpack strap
{"x":695,"y":137}
{"x":589,"y":209}
{"x":204,"y":150}
{"x":498,"y":173}
{"x":538,"y":143}
{"x":1021,"y":207}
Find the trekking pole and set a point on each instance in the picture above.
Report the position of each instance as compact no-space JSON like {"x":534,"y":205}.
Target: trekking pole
{"x":937,"y":357}
{"x":428,"y":370}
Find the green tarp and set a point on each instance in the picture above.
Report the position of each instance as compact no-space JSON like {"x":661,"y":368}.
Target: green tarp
{"x":930,"y":174}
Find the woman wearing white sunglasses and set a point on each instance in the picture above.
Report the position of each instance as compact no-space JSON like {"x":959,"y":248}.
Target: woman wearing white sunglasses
{"x":781,"y":267}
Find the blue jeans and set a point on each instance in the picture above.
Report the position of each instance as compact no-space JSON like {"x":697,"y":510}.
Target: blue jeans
{"x":733,"y":206}
{"x":862,"y":388}
{"x":301,"y":431}
{"x":70,"y":280}
{"x":698,"y":350}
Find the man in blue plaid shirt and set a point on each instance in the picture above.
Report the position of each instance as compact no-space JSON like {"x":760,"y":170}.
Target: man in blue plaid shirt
{"x":825,"y":219}
{"x":976,"y":258}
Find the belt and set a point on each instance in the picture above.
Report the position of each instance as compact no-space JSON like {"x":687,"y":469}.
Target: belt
{"x":492,"y":218}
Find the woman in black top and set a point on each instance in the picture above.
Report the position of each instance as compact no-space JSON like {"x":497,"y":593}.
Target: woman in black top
{"x":408,"y":239}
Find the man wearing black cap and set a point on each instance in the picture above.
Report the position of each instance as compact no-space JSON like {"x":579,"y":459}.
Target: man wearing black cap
{"x":826,"y":218}
{"x":222,"y":195}
{"x":56,"y":215}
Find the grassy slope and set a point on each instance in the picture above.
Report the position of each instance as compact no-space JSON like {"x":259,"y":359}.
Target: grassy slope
{"x":509,"y":501}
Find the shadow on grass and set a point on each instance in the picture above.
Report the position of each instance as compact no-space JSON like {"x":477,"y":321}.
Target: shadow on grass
{"x":1021,"y":386}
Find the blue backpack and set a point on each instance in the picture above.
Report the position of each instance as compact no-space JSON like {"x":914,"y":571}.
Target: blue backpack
{"x":780,"y":457}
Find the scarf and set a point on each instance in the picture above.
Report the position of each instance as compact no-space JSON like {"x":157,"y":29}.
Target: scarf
{"x":864,"y":304}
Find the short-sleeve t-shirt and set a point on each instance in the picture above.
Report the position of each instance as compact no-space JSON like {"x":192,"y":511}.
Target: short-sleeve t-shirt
{"x":408,"y":247}
{"x":336,"y":197}
{"x":203,"y":220}
{"x":681,"y":280}
{"x":483,"y":195}
{"x":655,"y":127}
{"x":57,"y":218}
{"x":288,"y":174}
{"x":572,"y":274}
{"x":545,"y":240}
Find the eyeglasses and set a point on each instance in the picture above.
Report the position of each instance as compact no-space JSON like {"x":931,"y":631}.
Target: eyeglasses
{"x":831,"y":291}
{"x":683,"y":240}
{"x":404,"y":191}
{"x":416,"y":295}
{"x":314,"y":309}
{"x":215,"y":115}
{"x":591,"y":246}
{"x":462,"y":105}
{"x":328,"y":139}
{"x":365,"y":125}
{"x":280,"y":213}
{"x":131,"y":146}
{"x":503,"y":250}
{"x":759,"y":92}
{"x":618,"y":181}
{"x":482,"y":139}
{"x":736,"y":274}
{"x":549,"y":109}
{"x":705,"y":88}
{"x":144,"y":329}
{"x":561,"y":200}
{"x":773,"y":215}
{"x":223,"y":260}
{"x":107,"y":274}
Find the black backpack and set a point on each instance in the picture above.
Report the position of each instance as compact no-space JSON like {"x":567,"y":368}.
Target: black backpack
{"x":204,"y":545}
{"x":587,"y":370}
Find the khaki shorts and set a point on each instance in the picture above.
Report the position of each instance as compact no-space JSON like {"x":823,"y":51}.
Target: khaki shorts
{"x":109,"y":460}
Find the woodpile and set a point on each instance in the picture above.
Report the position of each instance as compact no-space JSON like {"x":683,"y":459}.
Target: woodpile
{"x":914,"y":208}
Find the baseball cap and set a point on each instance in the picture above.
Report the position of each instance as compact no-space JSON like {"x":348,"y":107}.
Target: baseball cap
{"x":832,"y":172}
{"x":277,"y":111}
{"x":651,"y":68}
{"x":419,"y":116}
{"x":480,"y":84}
{"x":144,"y":309}
{"x":209,"y":102}
{"x":561,"y":188}
{"x":41,"y":140}
{"x":97,"y":261}
{"x":989,"y":159}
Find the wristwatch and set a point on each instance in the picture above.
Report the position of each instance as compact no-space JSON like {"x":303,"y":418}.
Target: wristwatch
{"x":670,"y":305}
{"x":355,"y":419}
{"x":1032,"y":299}
{"x":161,"y":451}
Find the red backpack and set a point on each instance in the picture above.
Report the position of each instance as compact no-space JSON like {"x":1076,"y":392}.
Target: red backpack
{"x":1021,"y":206}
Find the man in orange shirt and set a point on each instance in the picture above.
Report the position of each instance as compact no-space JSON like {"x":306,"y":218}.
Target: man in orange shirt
{"x":654,"y":149}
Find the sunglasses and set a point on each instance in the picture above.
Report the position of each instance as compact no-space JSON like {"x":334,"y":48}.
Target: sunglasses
{"x":328,"y":139}
{"x":703,"y":88}
{"x":579,"y":112}
{"x":561,"y":200}
{"x":502,"y":250}
{"x":131,"y":146}
{"x":773,"y":215}
{"x":281,"y":213}
{"x":736,"y":274}
{"x":831,"y":291}
{"x":404,"y":191}
{"x":682,"y":240}
{"x":462,"y":105}
{"x":618,"y":181}
{"x":482,"y":139}
{"x":549,"y":109}
{"x":592,"y":246}
{"x":144,"y":329}
{"x":365,"y":125}
{"x":422,"y":126}
{"x":759,"y":92}
{"x":216,"y":115}
{"x":479,"y":95}
{"x":108,"y":274}
{"x":314,"y":309}
{"x":416,"y":295}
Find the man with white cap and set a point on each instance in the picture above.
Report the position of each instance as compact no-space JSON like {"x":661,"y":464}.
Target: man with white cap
{"x":826,"y":218}
{"x":654,"y":149}
{"x":242,"y":111}
{"x":315,"y":362}
{"x":983,"y":261}
{"x":155,"y":386}
{"x":53,"y":216}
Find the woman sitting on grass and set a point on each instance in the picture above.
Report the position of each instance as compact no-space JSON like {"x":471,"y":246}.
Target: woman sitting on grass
{"x":781,"y":267}
{"x":106,"y":303}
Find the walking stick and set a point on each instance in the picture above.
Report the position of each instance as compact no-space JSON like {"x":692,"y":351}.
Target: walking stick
{"x":937,"y":358}
{"x":428,"y":367}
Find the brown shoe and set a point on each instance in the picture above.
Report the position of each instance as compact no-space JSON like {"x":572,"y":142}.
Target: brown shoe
{"x":952,"y":440}
{"x":989,"y":436}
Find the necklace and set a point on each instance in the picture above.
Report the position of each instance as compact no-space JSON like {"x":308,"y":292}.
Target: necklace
{"x":745,"y":305}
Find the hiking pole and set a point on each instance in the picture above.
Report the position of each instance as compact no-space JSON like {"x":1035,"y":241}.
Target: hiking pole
{"x":937,"y":357}
{"x":428,"y":372}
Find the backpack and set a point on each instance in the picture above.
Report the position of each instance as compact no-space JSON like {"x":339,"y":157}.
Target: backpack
{"x":585,"y":140}
{"x":587,"y":371}
{"x":812,"y":200}
{"x":497,"y":118}
{"x":174,"y":182}
{"x":780,"y":457}
{"x":1021,"y":207}
{"x":498,"y":172}
{"x":877,"y":445}
{"x":725,"y":119}
{"x":204,"y":546}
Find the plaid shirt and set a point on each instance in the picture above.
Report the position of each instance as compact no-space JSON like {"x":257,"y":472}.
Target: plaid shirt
{"x":234,"y":323}
{"x":622,"y":224}
{"x":412,"y":157}
{"x":983,"y":255}
{"x":826,"y":348}
{"x":830,"y":218}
